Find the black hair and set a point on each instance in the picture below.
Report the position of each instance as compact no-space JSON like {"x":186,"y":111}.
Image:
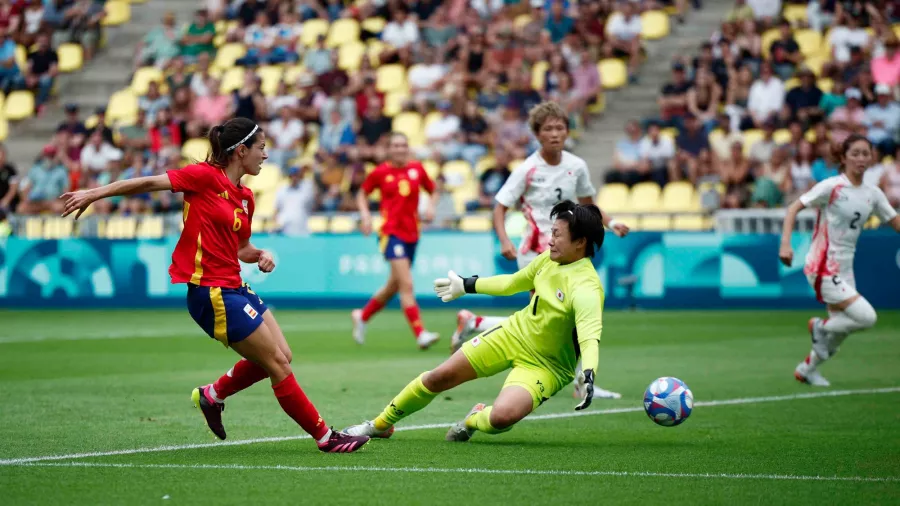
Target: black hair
{"x":225,"y":138}
{"x":585,"y":221}
{"x":844,"y":147}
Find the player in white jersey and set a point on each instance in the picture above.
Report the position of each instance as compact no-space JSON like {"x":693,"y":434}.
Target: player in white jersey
{"x":844,"y":203}
{"x":546,"y":178}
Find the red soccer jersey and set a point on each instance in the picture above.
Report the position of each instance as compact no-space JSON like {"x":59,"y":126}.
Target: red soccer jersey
{"x":399,"y":197}
{"x":217,"y":217}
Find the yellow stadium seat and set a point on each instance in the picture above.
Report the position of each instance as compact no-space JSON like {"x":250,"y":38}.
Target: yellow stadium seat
{"x":796,"y":14}
{"x":485,"y":163}
{"x":118,"y":227}
{"x":751,"y":137}
{"x":599,"y":105}
{"x":58,"y":228}
{"x":374,"y":47}
{"x":897,"y":30}
{"x":631,"y":220}
{"x":71,"y":57}
{"x":768,"y":37}
{"x":265,"y":204}
{"x":707,"y":186}
{"x":342,"y":31}
{"x":271,"y":77}
{"x":430,"y":118}
{"x":810,"y":42}
{"x":654,"y":25}
{"x":19,"y":105}
{"x":432,"y":169}
{"x":118,"y":12}
{"x":791,"y":83}
{"x":373,"y":25}
{"x":228,"y":54}
{"x":232,"y":79}
{"x":782,"y":136}
{"x":293,"y":73}
{"x":678,"y":196}
{"x":142,"y":78}
{"x":613,"y":197}
{"x":393,"y":102}
{"x":613,"y":73}
{"x":123,"y":105}
{"x":341,"y":224}
{"x":656,"y":223}
{"x":873,"y":222}
{"x":475,"y":223}
{"x":317,"y":223}
{"x":409,"y":123}
{"x":311,"y":30}
{"x":539,"y":74}
{"x":195,"y":149}
{"x":644,"y":197}
{"x":377,"y":222}
{"x":150,"y":227}
{"x":457,"y":173}
{"x":810,"y":136}
{"x":21,"y":56}
{"x":671,"y":133}
{"x":691,"y":223}
{"x":350,"y":55}
{"x":825,"y":84}
{"x":34,"y":228}
{"x":391,"y":78}
{"x":815,"y":64}
{"x":521,"y":21}
{"x":4,"y":129}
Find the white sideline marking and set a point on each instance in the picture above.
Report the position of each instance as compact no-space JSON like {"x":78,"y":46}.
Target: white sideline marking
{"x":549,"y":416}
{"x":543,"y":472}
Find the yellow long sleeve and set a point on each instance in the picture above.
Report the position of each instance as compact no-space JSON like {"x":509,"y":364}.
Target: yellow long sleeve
{"x":588,"y":305}
{"x":511,"y":284}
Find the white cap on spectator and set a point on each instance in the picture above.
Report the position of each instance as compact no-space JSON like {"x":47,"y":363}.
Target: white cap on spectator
{"x":853,"y":93}
{"x":537,"y":4}
{"x":882,"y":89}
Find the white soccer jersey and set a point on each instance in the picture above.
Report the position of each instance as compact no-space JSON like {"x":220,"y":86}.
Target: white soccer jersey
{"x":536,"y":186}
{"x":843,"y":210}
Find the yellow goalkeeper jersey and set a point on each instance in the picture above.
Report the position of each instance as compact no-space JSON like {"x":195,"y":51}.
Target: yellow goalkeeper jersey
{"x":566,"y":298}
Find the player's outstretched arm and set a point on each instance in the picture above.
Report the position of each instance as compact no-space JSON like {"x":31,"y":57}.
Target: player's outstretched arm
{"x":455,"y":286}
{"x":786,"y":252}
{"x":81,"y":199}
{"x":895,"y":223}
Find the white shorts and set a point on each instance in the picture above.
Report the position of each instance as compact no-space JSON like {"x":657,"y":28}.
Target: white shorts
{"x":833,"y":289}
{"x":523,"y":259}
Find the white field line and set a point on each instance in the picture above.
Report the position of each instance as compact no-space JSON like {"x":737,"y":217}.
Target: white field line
{"x":549,"y":416}
{"x":469,"y":470}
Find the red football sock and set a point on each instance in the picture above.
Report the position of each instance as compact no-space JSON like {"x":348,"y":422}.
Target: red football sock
{"x":415,"y":321}
{"x":371,"y":308}
{"x":243,"y":375}
{"x":295,"y":403}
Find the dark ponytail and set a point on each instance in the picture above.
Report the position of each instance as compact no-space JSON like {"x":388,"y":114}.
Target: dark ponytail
{"x":224,"y":139}
{"x":584,"y":220}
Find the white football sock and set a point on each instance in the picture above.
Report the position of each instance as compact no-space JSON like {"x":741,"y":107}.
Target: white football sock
{"x":489,"y":322}
{"x":325,"y":437}
{"x":857,"y":316}
{"x":814,"y":360}
{"x":212,"y":392}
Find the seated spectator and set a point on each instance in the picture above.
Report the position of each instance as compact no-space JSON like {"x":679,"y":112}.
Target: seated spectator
{"x":848,"y":119}
{"x":761,"y":150}
{"x":886,"y":68}
{"x":164,"y":129}
{"x":721,"y":144}
{"x":198,"y":37}
{"x":160,"y":45}
{"x":833,"y":99}
{"x":522,"y":94}
{"x":311,"y":99}
{"x":785,"y":52}
{"x":97,"y":154}
{"x":247,"y":11}
{"x":490,"y":183}
{"x":426,"y":79}
{"x":329,"y":178}
{"x":369,"y":95}
{"x":135,"y":165}
{"x":335,"y":84}
{"x":200,"y":77}
{"x":656,"y":152}
{"x":883,"y":120}
{"x":766,"y":98}
{"x":773,"y":180}
{"x":586,"y":84}
{"x":283,"y":98}
{"x":10,"y":73}
{"x":801,"y":168}
{"x":627,"y":156}
{"x":136,"y":137}
{"x":513,"y":135}
{"x":81,"y":24}
{"x":846,"y":34}
{"x":804,"y":99}
{"x":249,"y":100}
{"x":826,"y":164}
{"x":739,"y":12}
{"x":178,"y":77}
{"x":336,"y":136}
{"x":856,"y":67}
{"x":890,"y":181}
{"x":765,"y":11}
{"x":261,"y":39}
{"x":46,"y":181}
{"x":73,"y":125}
{"x":285,"y":133}
{"x":400,"y":34}
{"x":568,"y":100}
{"x":866,"y":85}
{"x":703,"y":100}
{"x":153,"y":101}
{"x":32,"y":21}
{"x":439,"y":29}
{"x":738,"y":96}
{"x":41,"y":71}
{"x":734,"y":172}
{"x":491,"y":99}
{"x":673,"y":99}
{"x":820,"y":14}
{"x":288,"y":31}
{"x":718,"y":66}
{"x":294,"y":202}
{"x":211,"y":109}
{"x":692,"y":144}
{"x":318,"y":59}
{"x":476,"y":135}
{"x":558,"y":23}
{"x":374,"y":132}
{"x":623,"y":37}
{"x":9,"y":183}
{"x":443,"y":136}
{"x":749,"y":45}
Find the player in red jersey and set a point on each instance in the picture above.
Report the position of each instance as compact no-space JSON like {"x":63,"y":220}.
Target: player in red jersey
{"x":218,"y":211}
{"x":399,"y":181}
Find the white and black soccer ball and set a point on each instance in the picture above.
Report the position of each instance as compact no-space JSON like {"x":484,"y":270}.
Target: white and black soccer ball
{"x":668,"y":401}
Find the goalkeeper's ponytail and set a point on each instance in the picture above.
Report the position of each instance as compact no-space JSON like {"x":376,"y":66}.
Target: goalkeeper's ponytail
{"x":585,"y":221}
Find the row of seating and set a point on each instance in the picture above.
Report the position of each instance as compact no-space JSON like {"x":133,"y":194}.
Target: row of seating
{"x":111,"y":227}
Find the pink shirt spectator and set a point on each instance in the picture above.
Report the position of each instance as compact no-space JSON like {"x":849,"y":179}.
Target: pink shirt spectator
{"x":886,"y":70}
{"x":586,"y":81}
{"x":844,"y":115}
{"x":212,"y":109}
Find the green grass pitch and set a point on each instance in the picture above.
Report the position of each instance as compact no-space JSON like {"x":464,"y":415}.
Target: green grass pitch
{"x":94,"y":409}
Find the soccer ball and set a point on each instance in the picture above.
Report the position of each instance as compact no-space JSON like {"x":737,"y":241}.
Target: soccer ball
{"x":668,"y":401}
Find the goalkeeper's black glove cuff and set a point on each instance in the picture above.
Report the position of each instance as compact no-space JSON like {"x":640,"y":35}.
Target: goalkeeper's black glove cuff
{"x":589,"y":376}
{"x":469,"y":284}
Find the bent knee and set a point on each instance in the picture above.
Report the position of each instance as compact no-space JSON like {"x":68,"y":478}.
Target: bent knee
{"x":502,"y":418}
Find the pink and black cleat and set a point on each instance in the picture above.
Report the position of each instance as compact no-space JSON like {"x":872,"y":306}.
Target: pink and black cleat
{"x":210,"y":409}
{"x":340,"y":442}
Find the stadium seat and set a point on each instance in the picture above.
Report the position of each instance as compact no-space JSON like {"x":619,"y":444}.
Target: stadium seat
{"x":430,"y":118}
{"x":118,"y":227}
{"x":268,"y":179}
{"x":4,"y":129}
{"x":409,"y":123}
{"x":654,"y":25}
{"x":232,"y":79}
{"x":122,"y":106}
{"x":791,"y":83}
{"x":391,"y":77}
{"x":373,"y":25}
{"x":678,"y":196}
{"x":768,"y":37}
{"x":613,"y":197}
{"x":539,"y":74}
{"x":815,"y":64}
{"x":265,"y":204}
{"x":374,"y":47}
{"x":796,"y":14}
{"x":228,"y":54}
{"x":599,"y":105}
{"x":644,"y":197}
{"x":21,"y":56}
{"x":691,"y":223}
{"x":118,"y":12}
{"x":671,"y":133}
{"x":810,"y":42}
{"x":150,"y":227}
{"x":432,"y":168}
{"x":71,"y":57}
{"x":350,"y":55}
{"x":377,"y":222}
{"x":342,"y":31}
{"x":613,"y":73}
{"x":312,"y":28}
{"x":521,"y":21}
{"x":751,"y":137}
{"x":485,"y":163}
{"x":271,"y":76}
{"x":34,"y":227}
{"x":195,"y":149}
{"x":142,"y":78}
{"x":58,"y":228}
{"x":825,"y":84}
{"x":456,"y":173}
{"x":655,"y":223}
{"x":317,"y":224}
{"x":810,"y":136}
{"x":19,"y":105}
{"x":782,"y":136}
{"x":393,"y":102}
{"x":341,"y":224}
{"x":475,"y":223}
{"x":292,"y":74}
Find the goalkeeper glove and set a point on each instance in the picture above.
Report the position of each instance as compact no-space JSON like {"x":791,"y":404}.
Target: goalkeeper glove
{"x":453,"y":286}
{"x":586,"y":381}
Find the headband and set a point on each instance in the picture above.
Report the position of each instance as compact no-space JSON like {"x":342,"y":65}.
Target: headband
{"x":255,"y":128}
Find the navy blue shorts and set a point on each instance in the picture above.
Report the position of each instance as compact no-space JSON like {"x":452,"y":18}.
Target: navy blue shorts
{"x":394,"y":248}
{"x":227,"y":315}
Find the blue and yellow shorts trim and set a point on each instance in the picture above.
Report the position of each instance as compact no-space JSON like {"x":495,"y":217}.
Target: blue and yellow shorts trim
{"x":393,"y":248}
{"x":227,"y":315}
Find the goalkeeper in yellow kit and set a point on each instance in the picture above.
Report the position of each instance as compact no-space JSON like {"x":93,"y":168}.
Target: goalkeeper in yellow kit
{"x":539,"y":342}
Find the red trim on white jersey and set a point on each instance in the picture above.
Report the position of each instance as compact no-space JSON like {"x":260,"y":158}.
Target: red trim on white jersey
{"x":532,"y":240}
{"x":822,"y":265}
